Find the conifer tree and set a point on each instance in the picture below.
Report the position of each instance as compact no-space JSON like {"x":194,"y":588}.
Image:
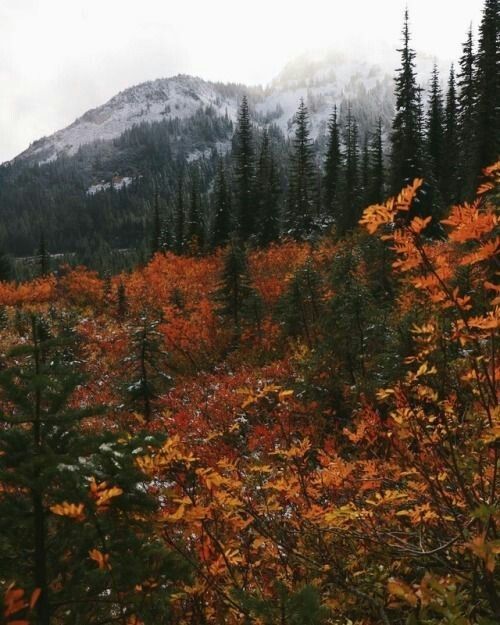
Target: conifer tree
{"x":450,"y":145}
{"x":6,"y":268}
{"x":365,"y":169}
{"x":333,"y":168}
{"x":488,"y":85}
{"x":467,"y":98}
{"x":267,"y":194}
{"x":300,"y":304}
{"x":376,"y":178}
{"x":147,"y":364}
{"x":157,"y":225}
{"x":245,"y":173}
{"x":435,"y":128}
{"x":121,"y":303}
{"x":351,"y":200}
{"x":179,"y":214}
{"x":43,"y":257}
{"x":234,"y":289}
{"x":406,"y":139}
{"x":165,"y":238}
{"x":302,"y":186}
{"x":223,"y":221}
{"x":194,"y":223}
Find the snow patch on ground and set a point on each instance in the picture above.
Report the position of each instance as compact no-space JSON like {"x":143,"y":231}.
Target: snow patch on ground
{"x":118,"y":183}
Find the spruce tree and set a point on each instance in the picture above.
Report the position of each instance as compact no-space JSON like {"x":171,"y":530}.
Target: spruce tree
{"x":300,"y":305}
{"x":179,"y":214}
{"x":6,"y":268}
{"x":302,"y":186}
{"x":194,"y":222}
{"x":223,"y":221}
{"x":467,"y":98}
{"x":376,"y":182}
{"x":234,"y":289}
{"x":157,"y":225}
{"x":146,"y":366}
{"x":450,"y":145}
{"x":333,"y":169}
{"x":351,"y":196}
{"x":365,"y":170}
{"x":406,"y":138}
{"x":165,"y":238}
{"x":43,"y":257}
{"x":488,"y":85}
{"x":434,"y":131}
{"x":245,"y":173}
{"x":121,"y":301}
{"x":267,"y":194}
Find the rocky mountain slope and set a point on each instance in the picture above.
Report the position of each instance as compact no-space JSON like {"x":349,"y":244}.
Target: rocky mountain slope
{"x":364,"y":80}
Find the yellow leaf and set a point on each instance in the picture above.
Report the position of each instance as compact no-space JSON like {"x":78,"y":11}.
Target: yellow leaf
{"x":70,"y":510}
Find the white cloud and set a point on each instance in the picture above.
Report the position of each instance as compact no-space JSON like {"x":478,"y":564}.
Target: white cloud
{"x":58,"y":57}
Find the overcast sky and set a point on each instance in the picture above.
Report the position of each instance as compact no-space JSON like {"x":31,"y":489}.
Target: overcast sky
{"x":58,"y":58}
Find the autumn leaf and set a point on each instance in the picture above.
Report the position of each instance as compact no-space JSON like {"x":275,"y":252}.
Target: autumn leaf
{"x":70,"y":510}
{"x":102,"y":559}
{"x":403,"y":591}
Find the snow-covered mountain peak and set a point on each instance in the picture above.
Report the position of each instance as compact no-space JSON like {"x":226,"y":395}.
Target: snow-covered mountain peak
{"x":362,"y":78}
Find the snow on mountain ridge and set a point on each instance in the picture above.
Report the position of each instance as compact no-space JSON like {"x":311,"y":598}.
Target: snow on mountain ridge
{"x":323,"y":78}
{"x":181,"y":96}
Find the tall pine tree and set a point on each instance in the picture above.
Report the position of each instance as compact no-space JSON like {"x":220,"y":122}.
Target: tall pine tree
{"x":467,"y":97}
{"x":194,"y":221}
{"x":245,"y":173}
{"x":351,"y":200}
{"x":406,"y":162}
{"x":223,"y":222}
{"x":302,"y":186}
{"x":449,"y":182}
{"x":333,"y":169}
{"x":179,"y":213}
{"x":376,"y":188}
{"x":488,"y":85}
{"x":267,"y":194}
{"x":435,"y":129}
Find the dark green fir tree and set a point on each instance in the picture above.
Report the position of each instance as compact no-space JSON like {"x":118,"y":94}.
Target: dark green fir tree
{"x":351,"y":203}
{"x":406,"y":154}
{"x":451,"y":150}
{"x":488,"y":85}
{"x":467,"y":132}
{"x":302,"y":200}
{"x":434,"y":129}
{"x":179,"y":213}
{"x":43,"y":257}
{"x":376,"y":179}
{"x":244,"y":173}
{"x":223,"y":224}
{"x":234,"y":289}
{"x":267,"y":194}
{"x":333,"y":169}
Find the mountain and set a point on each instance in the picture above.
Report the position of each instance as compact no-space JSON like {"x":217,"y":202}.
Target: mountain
{"x":93,"y":182}
{"x":179,"y":97}
{"x":322,"y":78}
